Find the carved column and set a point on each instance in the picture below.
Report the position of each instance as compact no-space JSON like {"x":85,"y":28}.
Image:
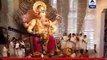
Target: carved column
{"x":3,"y":13}
{"x":63,"y":10}
{"x":81,"y":14}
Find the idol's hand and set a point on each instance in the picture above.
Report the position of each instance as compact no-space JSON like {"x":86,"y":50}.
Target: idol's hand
{"x":26,"y":25}
{"x":58,"y":17}
{"x":30,"y":31}
{"x":24,"y":18}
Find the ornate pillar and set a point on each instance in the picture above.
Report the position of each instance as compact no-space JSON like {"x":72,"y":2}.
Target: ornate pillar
{"x":13,"y":5}
{"x":81,"y":14}
{"x":3,"y":13}
{"x":63,"y":10}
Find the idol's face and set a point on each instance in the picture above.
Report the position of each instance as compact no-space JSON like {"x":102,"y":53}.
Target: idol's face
{"x":42,"y":14}
{"x":42,"y":11}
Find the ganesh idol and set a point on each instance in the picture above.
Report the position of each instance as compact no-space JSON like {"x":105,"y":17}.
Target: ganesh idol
{"x":42,"y":25}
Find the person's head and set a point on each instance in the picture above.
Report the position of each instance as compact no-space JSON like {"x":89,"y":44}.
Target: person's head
{"x":77,"y":51}
{"x":86,"y":51}
{"x":73,"y":34}
{"x":65,"y":34}
{"x":69,"y":35}
{"x":13,"y":38}
{"x":81,"y":51}
{"x":77,"y":39}
{"x":80,"y":34}
{"x":85,"y":36}
{"x":77,"y":34}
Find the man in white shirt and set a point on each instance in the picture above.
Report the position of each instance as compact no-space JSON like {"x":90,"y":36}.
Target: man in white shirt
{"x":22,"y":48}
{"x":83,"y":43}
{"x":17,"y":48}
{"x":4,"y":51}
{"x":64,"y":40}
{"x":11,"y":48}
{"x":73,"y":38}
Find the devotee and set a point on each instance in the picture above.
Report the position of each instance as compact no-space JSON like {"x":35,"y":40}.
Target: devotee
{"x":5,"y":51}
{"x":85,"y":38}
{"x":64,"y":40}
{"x":73,"y":38}
{"x":81,"y":37}
{"x":17,"y":49}
{"x":11,"y":47}
{"x":78,"y":54}
{"x":83,"y":43}
{"x":86,"y":54}
{"x":77,"y":43}
{"x":22,"y":47}
{"x":71,"y":43}
{"x":69,"y":36}
{"x":81,"y":53}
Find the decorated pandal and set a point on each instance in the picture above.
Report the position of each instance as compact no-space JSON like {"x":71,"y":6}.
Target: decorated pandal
{"x":39,"y":42}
